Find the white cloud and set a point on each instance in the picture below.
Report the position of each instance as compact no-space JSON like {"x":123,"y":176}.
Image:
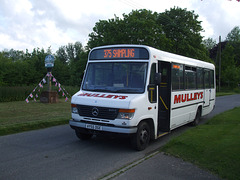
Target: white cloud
{"x":28,"y":24}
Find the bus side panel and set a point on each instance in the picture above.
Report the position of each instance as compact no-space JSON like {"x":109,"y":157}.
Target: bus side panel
{"x":184,"y":106}
{"x":208,"y":107}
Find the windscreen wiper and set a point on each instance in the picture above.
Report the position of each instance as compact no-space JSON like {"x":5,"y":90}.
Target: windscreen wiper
{"x":126,"y":90}
{"x":100,"y":90}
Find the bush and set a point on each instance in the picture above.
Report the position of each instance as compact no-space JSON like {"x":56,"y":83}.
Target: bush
{"x":20,"y":93}
{"x":16,"y":93}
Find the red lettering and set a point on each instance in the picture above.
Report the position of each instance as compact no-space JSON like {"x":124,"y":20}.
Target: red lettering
{"x":177,"y":99}
{"x":195,"y":96}
{"x":103,"y":96}
{"x":192,"y":97}
{"x":115,"y":96}
{"x":85,"y":94}
{"x":123,"y":97}
{"x":183,"y":100}
{"x":96,"y":95}
{"x":187,"y":97}
{"x":109,"y":96}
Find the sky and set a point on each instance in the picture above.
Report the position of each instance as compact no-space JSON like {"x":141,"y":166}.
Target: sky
{"x":28,"y":24}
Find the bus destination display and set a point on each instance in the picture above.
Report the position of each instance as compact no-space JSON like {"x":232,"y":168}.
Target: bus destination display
{"x":119,"y":53}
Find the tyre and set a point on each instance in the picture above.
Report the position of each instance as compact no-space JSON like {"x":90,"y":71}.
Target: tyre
{"x":141,"y":139}
{"x":197,"y":118}
{"x":83,"y":136}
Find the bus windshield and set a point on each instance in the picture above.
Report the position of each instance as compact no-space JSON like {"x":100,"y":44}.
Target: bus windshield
{"x":122,"y":77}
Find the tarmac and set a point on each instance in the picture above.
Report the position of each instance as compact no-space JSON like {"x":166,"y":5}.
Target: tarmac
{"x":161,"y":166}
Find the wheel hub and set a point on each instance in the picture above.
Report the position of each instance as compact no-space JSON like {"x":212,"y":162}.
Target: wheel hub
{"x":143,"y":136}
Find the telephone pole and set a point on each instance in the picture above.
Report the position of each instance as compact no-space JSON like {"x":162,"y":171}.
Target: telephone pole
{"x":219,"y":65}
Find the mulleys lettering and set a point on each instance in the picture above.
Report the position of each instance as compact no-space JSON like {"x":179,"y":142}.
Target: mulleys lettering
{"x":181,"y":98}
{"x":103,"y":96}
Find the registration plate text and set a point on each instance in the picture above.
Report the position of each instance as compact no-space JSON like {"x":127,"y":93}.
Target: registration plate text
{"x":94,"y":127}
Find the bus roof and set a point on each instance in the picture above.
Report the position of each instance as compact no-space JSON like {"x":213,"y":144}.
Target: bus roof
{"x":163,"y":55}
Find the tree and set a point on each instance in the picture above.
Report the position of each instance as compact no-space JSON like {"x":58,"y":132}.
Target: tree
{"x":209,"y":43}
{"x":234,"y":39}
{"x":230,"y":72}
{"x":71,"y":61}
{"x":183,"y":29}
{"x":138,"y":27}
{"x":234,"y":35}
{"x":176,"y":31}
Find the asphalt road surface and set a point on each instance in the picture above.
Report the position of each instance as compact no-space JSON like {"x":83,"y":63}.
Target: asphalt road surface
{"x":56,"y":153}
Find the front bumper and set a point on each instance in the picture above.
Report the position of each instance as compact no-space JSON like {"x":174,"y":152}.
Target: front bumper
{"x":123,"y":130}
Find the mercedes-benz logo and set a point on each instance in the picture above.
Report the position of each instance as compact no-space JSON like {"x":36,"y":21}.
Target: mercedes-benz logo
{"x":95,"y":111}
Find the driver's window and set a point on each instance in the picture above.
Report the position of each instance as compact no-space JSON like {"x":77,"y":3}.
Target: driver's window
{"x":152,"y":88}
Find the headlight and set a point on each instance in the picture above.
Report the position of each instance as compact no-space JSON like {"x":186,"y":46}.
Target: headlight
{"x":126,"y":113}
{"x":74,"y":108}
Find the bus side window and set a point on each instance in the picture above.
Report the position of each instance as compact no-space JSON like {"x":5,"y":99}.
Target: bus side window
{"x":206,"y":79}
{"x":177,"y":77}
{"x":190,"y":77}
{"x":152,"y":88}
{"x":200,"y":84}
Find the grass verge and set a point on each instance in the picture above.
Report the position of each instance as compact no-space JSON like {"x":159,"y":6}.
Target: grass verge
{"x":20,"y":116}
{"x":214,"y":146}
{"x":227,"y":91}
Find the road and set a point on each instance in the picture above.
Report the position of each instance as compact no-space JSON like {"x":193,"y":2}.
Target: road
{"x":56,"y":153}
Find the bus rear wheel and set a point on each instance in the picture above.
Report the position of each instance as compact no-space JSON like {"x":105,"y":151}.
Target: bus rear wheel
{"x":197,"y":118}
{"x":141,"y":139}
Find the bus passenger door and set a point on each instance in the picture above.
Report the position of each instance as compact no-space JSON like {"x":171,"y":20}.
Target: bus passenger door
{"x":164,"y":98}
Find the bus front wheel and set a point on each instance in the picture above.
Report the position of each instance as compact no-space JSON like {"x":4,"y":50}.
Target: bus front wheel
{"x":141,"y":139}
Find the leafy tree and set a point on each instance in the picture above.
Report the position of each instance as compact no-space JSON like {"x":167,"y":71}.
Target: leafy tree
{"x":177,"y":31}
{"x":138,"y":27}
{"x":3,"y":68}
{"x":209,"y":43}
{"x":234,"y":39}
{"x":74,"y":57}
{"x":61,"y":71}
{"x":62,"y":55}
{"x":230,"y":73}
{"x":37,"y":62}
{"x":234,"y":35}
{"x":183,"y":29}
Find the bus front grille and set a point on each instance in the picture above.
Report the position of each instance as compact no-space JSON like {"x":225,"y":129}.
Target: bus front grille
{"x":97,"y":112}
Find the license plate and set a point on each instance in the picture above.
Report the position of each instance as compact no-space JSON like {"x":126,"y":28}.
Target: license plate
{"x":95,"y":127}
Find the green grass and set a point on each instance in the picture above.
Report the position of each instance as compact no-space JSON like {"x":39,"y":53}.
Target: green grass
{"x":20,"y":116}
{"x":214,"y":146}
{"x":227,"y":91}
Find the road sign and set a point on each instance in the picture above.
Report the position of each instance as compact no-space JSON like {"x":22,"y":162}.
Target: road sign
{"x":49,"y":61}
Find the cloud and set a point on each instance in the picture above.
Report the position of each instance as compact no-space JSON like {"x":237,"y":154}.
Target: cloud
{"x":219,"y":16}
{"x":28,"y":24}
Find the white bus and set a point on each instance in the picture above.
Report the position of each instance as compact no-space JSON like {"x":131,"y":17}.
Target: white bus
{"x":142,"y":92}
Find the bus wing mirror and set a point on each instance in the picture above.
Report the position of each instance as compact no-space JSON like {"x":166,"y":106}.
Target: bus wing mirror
{"x":157,"y":78}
